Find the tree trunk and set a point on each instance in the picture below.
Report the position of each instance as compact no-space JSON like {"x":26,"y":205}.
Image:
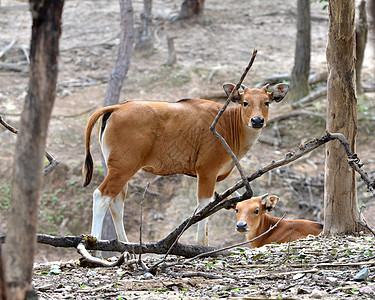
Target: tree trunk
{"x":340,"y":197}
{"x":300,"y":75}
{"x":115,"y":83}
{"x":145,"y":41}
{"x":29,"y":154}
{"x":3,"y":286}
{"x":190,"y":8}
{"x":361,"y":40}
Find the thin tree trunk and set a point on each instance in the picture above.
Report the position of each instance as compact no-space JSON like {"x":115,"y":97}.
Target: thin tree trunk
{"x":190,"y":8}
{"x":145,"y":40}
{"x":29,"y":154}
{"x":3,"y":286}
{"x":361,"y":40}
{"x":340,"y":198}
{"x":300,"y":75}
{"x":115,"y":83}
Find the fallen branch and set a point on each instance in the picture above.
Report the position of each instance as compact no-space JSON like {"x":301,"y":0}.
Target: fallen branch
{"x":52,"y":161}
{"x":117,"y":246}
{"x":14,"y":67}
{"x":309,"y":98}
{"x":295,"y":113}
{"x":97,"y":262}
{"x":313,"y":79}
{"x":280,"y":274}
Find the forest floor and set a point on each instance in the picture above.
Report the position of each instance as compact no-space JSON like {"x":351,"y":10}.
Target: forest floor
{"x":210,"y":51}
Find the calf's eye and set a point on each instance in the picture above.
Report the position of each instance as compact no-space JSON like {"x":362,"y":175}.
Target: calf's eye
{"x":236,"y":210}
{"x":245,"y":104}
{"x":267,"y":103}
{"x":256,"y":211}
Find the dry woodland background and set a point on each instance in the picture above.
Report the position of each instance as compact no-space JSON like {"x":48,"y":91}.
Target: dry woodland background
{"x":210,"y":51}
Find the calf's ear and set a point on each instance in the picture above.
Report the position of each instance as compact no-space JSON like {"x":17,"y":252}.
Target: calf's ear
{"x":270,"y":202}
{"x":279,"y":92}
{"x":228,"y":88}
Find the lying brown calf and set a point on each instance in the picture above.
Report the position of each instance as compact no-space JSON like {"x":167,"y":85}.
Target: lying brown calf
{"x":252,"y":220}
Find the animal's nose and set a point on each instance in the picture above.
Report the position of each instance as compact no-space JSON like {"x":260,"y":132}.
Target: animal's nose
{"x":257,"y":122}
{"x":241,"y":226}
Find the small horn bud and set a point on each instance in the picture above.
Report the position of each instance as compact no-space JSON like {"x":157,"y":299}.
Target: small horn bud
{"x":243,"y":86}
{"x":263,"y":196}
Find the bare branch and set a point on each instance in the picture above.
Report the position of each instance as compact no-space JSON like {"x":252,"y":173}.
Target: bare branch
{"x":52,"y":161}
{"x":7,"y":48}
{"x":97,"y":262}
{"x":221,"y":139}
{"x":7,"y":126}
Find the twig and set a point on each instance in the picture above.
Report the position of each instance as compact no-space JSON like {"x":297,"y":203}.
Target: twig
{"x":153,"y":267}
{"x":295,"y":113}
{"x":286,"y":257}
{"x":354,"y":162}
{"x":194,"y":274}
{"x":24,"y":49}
{"x":7,"y":48}
{"x":311,"y":97}
{"x":7,"y":126}
{"x":236,"y":245}
{"x":221,"y":139}
{"x":315,"y":265}
{"x":364,"y":224}
{"x":52,"y":161}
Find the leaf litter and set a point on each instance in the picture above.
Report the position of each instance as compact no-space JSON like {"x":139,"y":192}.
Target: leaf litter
{"x":311,"y":268}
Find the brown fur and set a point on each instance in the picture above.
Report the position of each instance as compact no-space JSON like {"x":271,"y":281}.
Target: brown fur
{"x":174,"y":138}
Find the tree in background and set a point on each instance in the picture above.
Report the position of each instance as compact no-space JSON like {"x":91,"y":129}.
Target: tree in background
{"x":145,"y":40}
{"x":301,"y":70}
{"x":190,"y":8}
{"x":361,"y":40}
{"x":29,"y":153}
{"x":340,"y":197}
{"x":116,"y":80}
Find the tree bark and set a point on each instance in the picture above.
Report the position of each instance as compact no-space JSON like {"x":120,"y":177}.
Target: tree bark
{"x":3,"y":286}
{"x":300,"y":75}
{"x":361,"y":40}
{"x":116,"y":80}
{"x":340,"y":197}
{"x":29,"y":153}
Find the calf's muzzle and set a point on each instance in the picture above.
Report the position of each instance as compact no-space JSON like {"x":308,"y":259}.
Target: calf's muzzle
{"x":241,"y":226}
{"x":257,"y":122}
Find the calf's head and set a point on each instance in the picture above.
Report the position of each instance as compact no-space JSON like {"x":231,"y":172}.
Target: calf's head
{"x":250,"y":212}
{"x":255,"y":102}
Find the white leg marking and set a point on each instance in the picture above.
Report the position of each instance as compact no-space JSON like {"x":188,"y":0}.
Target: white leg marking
{"x":100,"y":205}
{"x":202,"y":233}
{"x":117,"y":211}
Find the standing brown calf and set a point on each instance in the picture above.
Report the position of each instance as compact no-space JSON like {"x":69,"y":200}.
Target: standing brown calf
{"x":252,"y":220}
{"x":172,"y":138}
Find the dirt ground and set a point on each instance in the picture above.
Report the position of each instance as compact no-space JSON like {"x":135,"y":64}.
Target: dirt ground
{"x":210,"y":51}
